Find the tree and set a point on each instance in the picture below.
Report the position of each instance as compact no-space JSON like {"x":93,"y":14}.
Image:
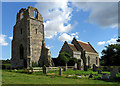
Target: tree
{"x":63,"y":58}
{"x":72,"y":61}
{"x":111,"y":55}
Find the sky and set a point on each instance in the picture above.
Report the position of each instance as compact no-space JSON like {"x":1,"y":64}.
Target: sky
{"x":94,"y":22}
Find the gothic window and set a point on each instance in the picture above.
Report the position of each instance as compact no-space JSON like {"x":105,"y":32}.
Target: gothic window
{"x":36,"y":31}
{"x":21,"y":52}
{"x":96,"y":61}
{"x":35,"y":13}
{"x":89,"y":60}
{"x":21,"y":30}
{"x":22,"y":14}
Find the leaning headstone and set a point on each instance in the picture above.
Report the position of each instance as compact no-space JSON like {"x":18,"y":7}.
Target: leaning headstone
{"x":104,"y":76}
{"x":60,"y":71}
{"x":94,"y":68}
{"x":99,"y":71}
{"x":44,"y":69}
{"x":85,"y":68}
{"x":113,"y":72}
{"x":91,"y":75}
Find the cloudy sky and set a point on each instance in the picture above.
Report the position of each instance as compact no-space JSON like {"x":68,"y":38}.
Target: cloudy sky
{"x":94,"y":22}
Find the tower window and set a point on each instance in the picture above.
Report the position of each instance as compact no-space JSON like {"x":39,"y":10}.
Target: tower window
{"x":21,"y":52}
{"x":22,"y":14}
{"x":96,"y":60}
{"x":36,"y":31}
{"x":35,"y":13}
{"x":21,"y":30}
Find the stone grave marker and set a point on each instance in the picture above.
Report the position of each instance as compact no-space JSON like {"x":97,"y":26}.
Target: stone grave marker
{"x":113,"y":72}
{"x":99,"y":71}
{"x":94,"y":68}
{"x":104,"y":76}
{"x":44,"y":69}
{"x":60,"y":71}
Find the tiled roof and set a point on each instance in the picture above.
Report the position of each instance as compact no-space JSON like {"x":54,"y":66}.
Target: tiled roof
{"x":72,"y":47}
{"x":87,"y":47}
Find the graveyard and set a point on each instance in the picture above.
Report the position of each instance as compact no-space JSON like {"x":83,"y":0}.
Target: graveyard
{"x":59,"y":76}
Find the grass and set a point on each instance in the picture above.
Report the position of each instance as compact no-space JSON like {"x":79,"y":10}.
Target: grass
{"x":39,"y":78}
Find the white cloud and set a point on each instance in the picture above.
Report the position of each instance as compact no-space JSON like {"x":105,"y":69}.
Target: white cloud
{"x":68,"y":37}
{"x":49,"y":47}
{"x":101,"y":43}
{"x":11,"y":37}
{"x":57,"y":16}
{"x":2,"y":40}
{"x":111,"y":41}
{"x":104,"y":14}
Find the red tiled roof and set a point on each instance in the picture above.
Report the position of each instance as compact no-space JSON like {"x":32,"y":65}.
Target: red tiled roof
{"x":72,"y":47}
{"x":87,"y":47}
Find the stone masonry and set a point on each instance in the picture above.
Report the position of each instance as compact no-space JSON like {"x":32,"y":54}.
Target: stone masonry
{"x":28,"y":44}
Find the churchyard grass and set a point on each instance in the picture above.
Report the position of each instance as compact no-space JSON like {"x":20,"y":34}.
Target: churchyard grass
{"x":17,"y":77}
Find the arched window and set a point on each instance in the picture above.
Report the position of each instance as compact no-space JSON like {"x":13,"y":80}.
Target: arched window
{"x":88,"y":60}
{"x":96,"y":61}
{"x":21,"y":52}
{"x":36,"y":31}
{"x":22,"y":13}
{"x":35,"y":13}
{"x":21,"y":30}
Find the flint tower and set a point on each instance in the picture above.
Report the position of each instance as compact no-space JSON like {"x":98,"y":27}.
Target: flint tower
{"x":28,"y":44}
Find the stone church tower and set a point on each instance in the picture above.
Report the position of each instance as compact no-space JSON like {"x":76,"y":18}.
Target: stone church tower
{"x":28,"y":44}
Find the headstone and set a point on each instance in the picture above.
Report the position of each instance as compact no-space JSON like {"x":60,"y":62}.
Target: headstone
{"x":44,"y":69}
{"x":79,"y":65}
{"x":113,"y":72}
{"x":94,"y":68}
{"x":91,"y":75}
{"x":104,"y":76}
{"x":60,"y":71}
{"x":85,"y":67}
{"x":99,"y":71}
{"x":66,"y":67}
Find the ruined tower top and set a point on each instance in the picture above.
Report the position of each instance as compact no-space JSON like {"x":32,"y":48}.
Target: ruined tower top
{"x":31,"y":12}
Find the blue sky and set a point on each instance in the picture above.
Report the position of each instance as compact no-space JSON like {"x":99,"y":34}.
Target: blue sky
{"x":89,"y":22}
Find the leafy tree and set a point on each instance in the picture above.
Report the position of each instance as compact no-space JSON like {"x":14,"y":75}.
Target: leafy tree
{"x":63,"y":58}
{"x":72,"y":61}
{"x":111,"y":55}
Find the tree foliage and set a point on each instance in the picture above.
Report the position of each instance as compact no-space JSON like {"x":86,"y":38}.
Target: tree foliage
{"x":65,"y":58}
{"x":111,"y":55}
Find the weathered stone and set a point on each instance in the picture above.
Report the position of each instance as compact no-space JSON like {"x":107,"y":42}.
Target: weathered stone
{"x":60,"y":71}
{"x":114,"y":72}
{"x":44,"y":69}
{"x":28,"y":44}
{"x":94,"y":68}
{"x":104,"y":76}
{"x":99,"y":71}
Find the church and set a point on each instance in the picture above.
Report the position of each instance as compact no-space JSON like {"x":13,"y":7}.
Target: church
{"x":82,"y":51}
{"x":28,"y":44}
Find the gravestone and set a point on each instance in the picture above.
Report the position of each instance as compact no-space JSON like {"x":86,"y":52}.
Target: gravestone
{"x":79,"y":65}
{"x":60,"y":71}
{"x":99,"y":71}
{"x":94,"y":68}
{"x":85,"y":67}
{"x":114,"y":72}
{"x":91,"y":75}
{"x":104,"y":76}
{"x":44,"y":69}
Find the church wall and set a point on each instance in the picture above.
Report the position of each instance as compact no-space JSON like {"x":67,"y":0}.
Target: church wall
{"x":92,"y":58}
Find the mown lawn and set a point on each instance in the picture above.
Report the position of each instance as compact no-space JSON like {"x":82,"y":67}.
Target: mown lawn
{"x":22,"y":78}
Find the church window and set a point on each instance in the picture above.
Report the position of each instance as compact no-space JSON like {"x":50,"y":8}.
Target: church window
{"x":21,"y":52}
{"x":22,"y":14}
{"x":88,"y":60}
{"x":21,"y":30}
{"x":36,"y":31}
{"x":96,"y":60}
{"x":35,"y":13}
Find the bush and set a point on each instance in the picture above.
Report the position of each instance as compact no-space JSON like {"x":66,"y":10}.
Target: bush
{"x":6,"y":66}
